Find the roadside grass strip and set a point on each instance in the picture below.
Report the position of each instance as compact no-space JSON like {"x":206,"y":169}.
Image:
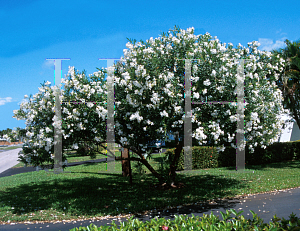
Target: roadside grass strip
{"x":89,"y":191}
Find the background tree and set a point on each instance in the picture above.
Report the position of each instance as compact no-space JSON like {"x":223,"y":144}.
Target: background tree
{"x":289,"y":80}
{"x":8,"y":132}
{"x":18,"y":134}
{"x":21,"y":133}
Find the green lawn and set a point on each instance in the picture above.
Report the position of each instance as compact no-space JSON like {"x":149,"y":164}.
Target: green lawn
{"x":88,"y":190}
{"x":74,"y":158}
{"x":10,"y":148}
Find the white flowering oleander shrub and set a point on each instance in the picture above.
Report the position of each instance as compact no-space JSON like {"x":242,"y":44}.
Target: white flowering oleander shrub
{"x":149,"y":97}
{"x":80,"y":122}
{"x":149,"y":84}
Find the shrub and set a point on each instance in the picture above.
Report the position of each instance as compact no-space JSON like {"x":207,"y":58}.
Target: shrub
{"x":205,"y":222}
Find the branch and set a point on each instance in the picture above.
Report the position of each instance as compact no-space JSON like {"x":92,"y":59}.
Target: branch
{"x":131,"y":158}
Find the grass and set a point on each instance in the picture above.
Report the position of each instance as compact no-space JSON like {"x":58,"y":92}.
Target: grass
{"x":10,"y":147}
{"x":72,"y":157}
{"x":88,"y":190}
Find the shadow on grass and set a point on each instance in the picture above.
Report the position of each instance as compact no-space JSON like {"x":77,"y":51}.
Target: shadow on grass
{"x":103,"y":193}
{"x":263,"y":167}
{"x":90,"y":163}
{"x":284,"y":164}
{"x":92,"y":195}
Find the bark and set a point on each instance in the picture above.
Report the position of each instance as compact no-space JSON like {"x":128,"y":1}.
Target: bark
{"x":294,"y":110}
{"x":126,"y":165}
{"x":289,"y":93}
{"x":130,"y":173}
{"x":145,"y":162}
{"x":172,"y":172}
{"x":161,"y":179}
{"x":152,"y":170}
{"x":125,"y":162}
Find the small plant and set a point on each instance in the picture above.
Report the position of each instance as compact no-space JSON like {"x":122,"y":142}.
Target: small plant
{"x":164,"y":167}
{"x":138,"y":166}
{"x":139,"y":169}
{"x":205,"y":222}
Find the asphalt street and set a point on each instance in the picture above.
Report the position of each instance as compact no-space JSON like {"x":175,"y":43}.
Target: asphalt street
{"x":8,"y":159}
{"x":265,"y":205}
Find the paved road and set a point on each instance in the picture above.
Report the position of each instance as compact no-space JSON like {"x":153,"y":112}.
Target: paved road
{"x":8,"y":159}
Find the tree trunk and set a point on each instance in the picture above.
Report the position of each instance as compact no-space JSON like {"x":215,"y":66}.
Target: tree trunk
{"x":172,"y":172}
{"x":294,"y":110}
{"x":288,"y":93}
{"x":125,"y":163}
{"x":130,"y":172}
{"x":145,"y":162}
{"x":152,"y":170}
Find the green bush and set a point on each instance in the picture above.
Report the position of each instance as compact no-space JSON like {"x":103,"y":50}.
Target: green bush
{"x":208,"y":157}
{"x":202,"y":157}
{"x":205,"y":222}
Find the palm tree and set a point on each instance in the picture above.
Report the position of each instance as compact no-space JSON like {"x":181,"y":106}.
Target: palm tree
{"x":289,"y":83}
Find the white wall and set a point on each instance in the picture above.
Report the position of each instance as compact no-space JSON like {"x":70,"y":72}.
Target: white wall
{"x":296,"y":133}
{"x":291,"y":132}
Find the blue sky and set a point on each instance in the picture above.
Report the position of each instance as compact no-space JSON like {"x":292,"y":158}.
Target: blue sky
{"x":84,"y":31}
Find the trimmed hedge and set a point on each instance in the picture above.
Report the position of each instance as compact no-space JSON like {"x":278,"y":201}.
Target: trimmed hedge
{"x":208,"y":157}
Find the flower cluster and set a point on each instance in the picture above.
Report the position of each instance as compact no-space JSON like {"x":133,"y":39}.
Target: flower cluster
{"x":155,"y":69}
{"x":78,"y":117}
